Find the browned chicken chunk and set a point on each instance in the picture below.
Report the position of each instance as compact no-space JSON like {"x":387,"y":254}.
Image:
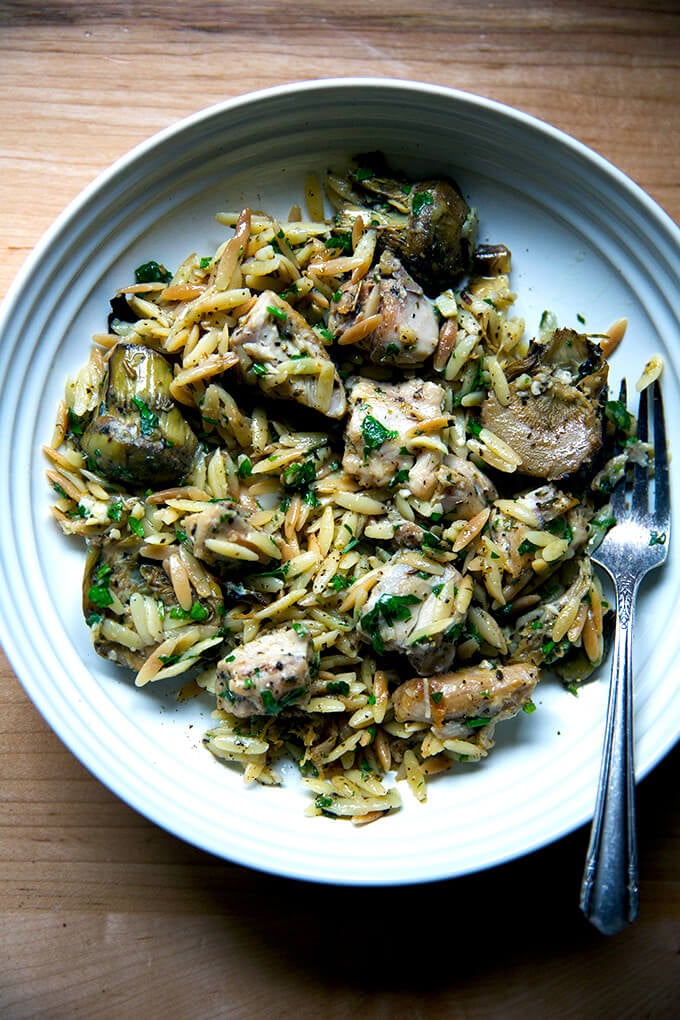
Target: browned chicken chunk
{"x":267,"y":675}
{"x":456,"y":704}
{"x":279,"y":352}
{"x":414,"y":614}
{"x":384,"y":418}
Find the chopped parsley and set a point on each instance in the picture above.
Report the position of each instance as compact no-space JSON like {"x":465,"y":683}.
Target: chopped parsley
{"x":136,"y":526}
{"x":273,"y":707}
{"x":245,"y":468}
{"x":389,"y":609}
{"x":342,"y":240}
{"x":298,"y":476}
{"x":338,"y":582}
{"x":476,"y":722}
{"x":149,"y":420}
{"x":420,"y":200}
{"x":337,"y":687}
{"x":152,"y":272}
{"x":98,"y":593}
{"x":114,"y":510}
{"x":619,"y":415}
{"x":277,"y":312}
{"x":198,"y":612}
{"x":375,"y":434}
{"x":560,"y":528}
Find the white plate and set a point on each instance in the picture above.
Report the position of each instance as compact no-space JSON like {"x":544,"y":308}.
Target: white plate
{"x":586,"y":243}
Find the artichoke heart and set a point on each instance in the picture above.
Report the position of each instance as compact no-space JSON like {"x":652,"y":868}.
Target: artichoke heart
{"x":427,"y":224}
{"x":139,"y":436}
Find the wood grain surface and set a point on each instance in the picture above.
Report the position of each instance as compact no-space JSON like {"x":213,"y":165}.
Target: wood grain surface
{"x":103,"y":914}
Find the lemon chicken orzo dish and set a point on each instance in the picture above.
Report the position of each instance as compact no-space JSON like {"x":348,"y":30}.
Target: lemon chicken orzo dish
{"x":326,"y":480}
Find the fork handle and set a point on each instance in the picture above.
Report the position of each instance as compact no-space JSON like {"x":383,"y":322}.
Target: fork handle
{"x":609,"y":891}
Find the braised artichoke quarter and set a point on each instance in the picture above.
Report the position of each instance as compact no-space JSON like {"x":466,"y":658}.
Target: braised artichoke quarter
{"x":427,"y":224}
{"x":139,"y":436}
{"x":554,"y":416}
{"x":118,"y":584}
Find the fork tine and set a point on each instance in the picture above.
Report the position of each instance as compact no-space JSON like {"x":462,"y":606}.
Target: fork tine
{"x":640,"y":496}
{"x":618,"y":495}
{"x":661,"y":484}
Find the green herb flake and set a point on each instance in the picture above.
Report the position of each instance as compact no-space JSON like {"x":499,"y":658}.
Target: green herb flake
{"x":296,"y":477}
{"x":339,"y":583}
{"x":152,"y":272}
{"x":274,"y":707}
{"x":337,"y":687}
{"x":136,"y":526}
{"x":430,"y":541}
{"x":74,"y":423}
{"x":114,"y":510}
{"x":100,"y":595}
{"x":529,"y":707}
{"x":375,"y":434}
{"x":342,"y":241}
{"x":277,"y":312}
{"x":477,"y":722}
{"x":389,"y":608}
{"x":149,"y":420}
{"x":618,"y":414}
{"x":420,"y":200}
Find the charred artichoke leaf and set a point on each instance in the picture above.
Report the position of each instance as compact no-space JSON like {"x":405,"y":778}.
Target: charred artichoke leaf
{"x":428,"y":224}
{"x":554,"y":416}
{"x":139,"y":436}
{"x":115,"y":575}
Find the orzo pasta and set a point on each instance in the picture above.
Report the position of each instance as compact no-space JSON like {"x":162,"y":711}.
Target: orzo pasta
{"x":325,"y":480}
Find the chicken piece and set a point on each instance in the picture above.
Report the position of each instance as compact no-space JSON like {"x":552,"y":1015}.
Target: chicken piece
{"x":406,"y":329}
{"x":553,"y":419}
{"x":221,"y":522}
{"x":461,"y":703}
{"x":279,"y":352}
{"x":266,"y":675}
{"x":384,"y":418}
{"x":462,"y":488}
{"x":415,"y":614}
{"x":139,"y":436}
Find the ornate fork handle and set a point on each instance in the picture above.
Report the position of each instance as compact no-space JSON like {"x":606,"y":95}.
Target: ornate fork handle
{"x":609,"y":892}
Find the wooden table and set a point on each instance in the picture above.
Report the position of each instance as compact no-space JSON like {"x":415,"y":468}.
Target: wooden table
{"x":103,"y":914}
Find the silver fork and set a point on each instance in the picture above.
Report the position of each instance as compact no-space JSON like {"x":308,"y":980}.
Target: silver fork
{"x":636,"y":544}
